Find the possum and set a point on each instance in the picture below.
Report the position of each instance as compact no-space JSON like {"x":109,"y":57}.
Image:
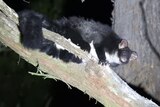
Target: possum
{"x":109,"y":47}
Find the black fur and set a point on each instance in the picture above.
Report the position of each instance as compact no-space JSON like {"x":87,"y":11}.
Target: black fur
{"x":30,"y":25}
{"x":81,"y":32}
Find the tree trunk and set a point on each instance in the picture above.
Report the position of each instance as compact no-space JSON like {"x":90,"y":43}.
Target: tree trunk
{"x":138,"y":21}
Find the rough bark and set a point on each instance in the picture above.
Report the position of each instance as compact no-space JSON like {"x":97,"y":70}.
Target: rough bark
{"x":138,"y":21}
{"x":97,"y":81}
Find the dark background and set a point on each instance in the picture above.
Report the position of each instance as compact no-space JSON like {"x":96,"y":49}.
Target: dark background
{"x":20,"y":89}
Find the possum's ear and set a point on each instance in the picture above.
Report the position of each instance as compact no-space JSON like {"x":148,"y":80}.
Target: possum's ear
{"x":123,"y":44}
{"x":134,"y":56}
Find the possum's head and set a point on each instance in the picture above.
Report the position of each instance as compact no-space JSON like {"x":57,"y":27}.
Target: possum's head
{"x":122,"y":55}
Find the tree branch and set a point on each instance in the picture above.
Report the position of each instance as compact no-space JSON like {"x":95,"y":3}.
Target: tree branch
{"x":97,"y":81}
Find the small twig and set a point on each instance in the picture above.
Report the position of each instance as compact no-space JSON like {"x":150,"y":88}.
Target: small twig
{"x":44,"y":75}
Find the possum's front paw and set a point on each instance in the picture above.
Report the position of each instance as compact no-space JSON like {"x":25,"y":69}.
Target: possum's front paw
{"x":103,"y":62}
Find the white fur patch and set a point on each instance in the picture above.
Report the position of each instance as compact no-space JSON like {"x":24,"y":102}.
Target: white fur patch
{"x":112,"y":58}
{"x":93,"y":51}
{"x":59,"y":46}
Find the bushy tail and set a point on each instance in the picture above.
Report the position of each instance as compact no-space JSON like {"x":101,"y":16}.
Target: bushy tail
{"x":30,"y":26}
